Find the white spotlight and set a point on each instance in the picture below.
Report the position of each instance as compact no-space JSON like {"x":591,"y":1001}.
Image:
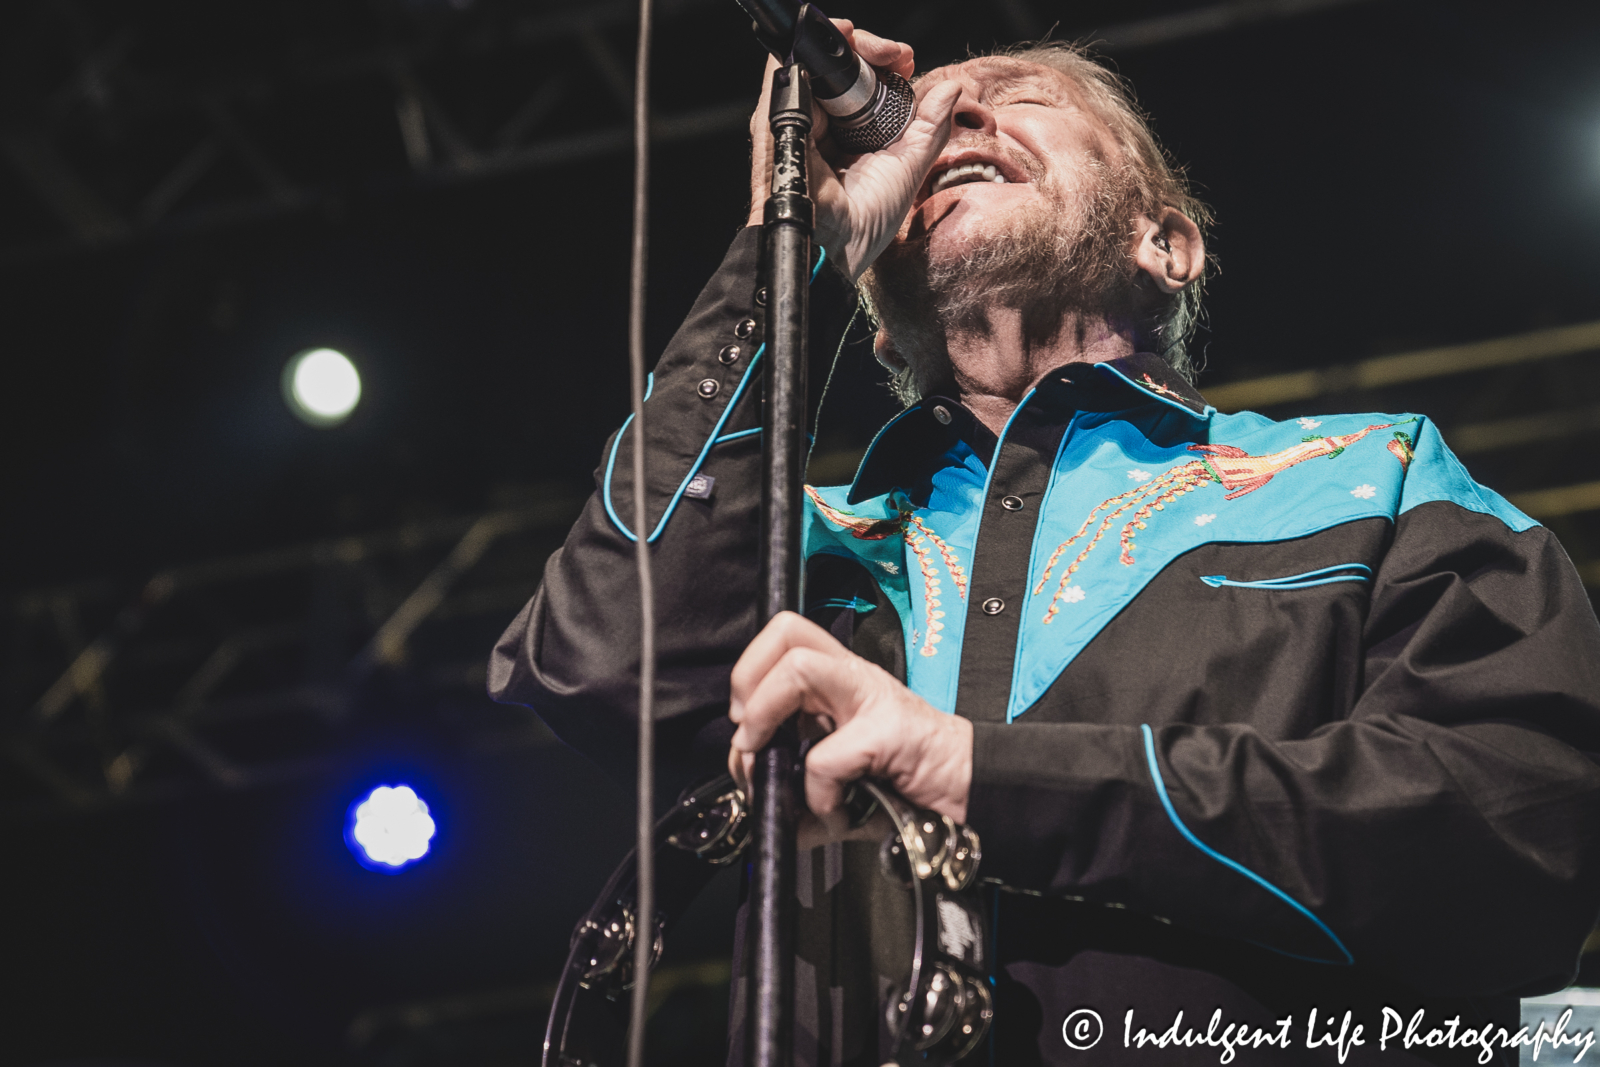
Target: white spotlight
{"x":391,"y":827}
{"x":321,"y":386}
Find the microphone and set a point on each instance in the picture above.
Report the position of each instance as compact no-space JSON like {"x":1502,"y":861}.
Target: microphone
{"x":868,"y":109}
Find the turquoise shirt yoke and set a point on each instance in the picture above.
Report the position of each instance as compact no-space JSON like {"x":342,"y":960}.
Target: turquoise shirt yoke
{"x":1129,"y":492}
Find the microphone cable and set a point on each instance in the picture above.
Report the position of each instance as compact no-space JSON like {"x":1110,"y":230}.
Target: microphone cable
{"x":644,"y":923}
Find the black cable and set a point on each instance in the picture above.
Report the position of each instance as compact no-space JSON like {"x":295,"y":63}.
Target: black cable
{"x":644,"y":926}
{"x":844,"y":339}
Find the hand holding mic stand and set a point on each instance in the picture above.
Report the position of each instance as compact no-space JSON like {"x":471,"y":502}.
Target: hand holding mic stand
{"x":870,"y":110}
{"x":943,"y":1007}
{"x":786,"y":264}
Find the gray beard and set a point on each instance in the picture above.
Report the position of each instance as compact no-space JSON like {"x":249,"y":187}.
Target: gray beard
{"x":1044,"y":262}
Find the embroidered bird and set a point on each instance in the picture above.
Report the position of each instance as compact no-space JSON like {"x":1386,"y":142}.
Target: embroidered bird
{"x":1241,"y":473}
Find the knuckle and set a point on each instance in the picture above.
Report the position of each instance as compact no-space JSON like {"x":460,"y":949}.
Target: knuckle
{"x":803,"y":662}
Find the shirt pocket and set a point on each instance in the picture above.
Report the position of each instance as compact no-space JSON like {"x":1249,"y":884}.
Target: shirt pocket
{"x":1343,"y":572}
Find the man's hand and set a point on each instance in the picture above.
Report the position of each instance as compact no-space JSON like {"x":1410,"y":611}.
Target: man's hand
{"x":875,"y":726}
{"x":861,"y":200}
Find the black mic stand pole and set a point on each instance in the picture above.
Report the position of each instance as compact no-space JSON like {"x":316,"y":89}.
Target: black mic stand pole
{"x":775,"y":783}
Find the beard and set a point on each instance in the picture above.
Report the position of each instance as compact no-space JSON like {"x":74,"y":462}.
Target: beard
{"x":1058,"y":258}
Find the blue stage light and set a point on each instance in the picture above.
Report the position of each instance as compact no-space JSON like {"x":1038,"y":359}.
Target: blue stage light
{"x":390,"y":828}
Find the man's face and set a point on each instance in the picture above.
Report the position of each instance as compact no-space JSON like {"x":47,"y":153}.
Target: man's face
{"x":1042,"y":149}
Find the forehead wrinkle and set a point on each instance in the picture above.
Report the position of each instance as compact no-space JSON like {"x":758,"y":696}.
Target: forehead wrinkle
{"x":1000,"y":74}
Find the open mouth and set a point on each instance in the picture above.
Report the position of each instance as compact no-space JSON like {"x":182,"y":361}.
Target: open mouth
{"x":965,"y":174}
{"x":970,"y":165}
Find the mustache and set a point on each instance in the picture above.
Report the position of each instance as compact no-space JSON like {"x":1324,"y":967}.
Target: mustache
{"x":988,"y":145}
{"x":1062,"y":254}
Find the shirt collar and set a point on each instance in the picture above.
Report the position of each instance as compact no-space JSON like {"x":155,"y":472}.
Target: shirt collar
{"x":914,"y":442}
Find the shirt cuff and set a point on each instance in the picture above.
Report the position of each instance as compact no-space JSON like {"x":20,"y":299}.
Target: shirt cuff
{"x":1041,"y":794}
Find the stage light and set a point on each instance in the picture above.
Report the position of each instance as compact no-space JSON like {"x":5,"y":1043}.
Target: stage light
{"x":390,"y":828}
{"x":321,"y":386}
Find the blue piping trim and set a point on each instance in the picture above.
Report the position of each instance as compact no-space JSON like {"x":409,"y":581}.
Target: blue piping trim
{"x":851,"y":496}
{"x":694,"y":468}
{"x":855,"y":604}
{"x":713,"y":439}
{"x":611,"y":460}
{"x":1106,"y":368}
{"x":1299,"y":533}
{"x":1166,"y":802}
{"x":1033,"y":562}
{"x":725,"y":438}
{"x":1295,"y":581}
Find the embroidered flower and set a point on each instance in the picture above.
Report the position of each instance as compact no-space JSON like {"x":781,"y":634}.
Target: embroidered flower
{"x":1073,"y":593}
{"x":1364,"y":492}
{"x":1201,"y":520}
{"x":1139,"y":475}
{"x":1309,"y":424}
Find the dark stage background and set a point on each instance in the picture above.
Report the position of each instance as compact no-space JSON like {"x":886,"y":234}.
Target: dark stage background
{"x":223,"y":626}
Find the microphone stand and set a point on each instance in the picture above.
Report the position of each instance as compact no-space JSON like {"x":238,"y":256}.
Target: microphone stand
{"x":775,"y":797}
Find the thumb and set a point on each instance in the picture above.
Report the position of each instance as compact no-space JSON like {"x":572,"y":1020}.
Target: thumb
{"x":929,"y":131}
{"x":935,"y":109}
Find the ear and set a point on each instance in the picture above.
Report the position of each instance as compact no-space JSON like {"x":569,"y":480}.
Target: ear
{"x":1170,"y":251}
{"x":884,"y":349}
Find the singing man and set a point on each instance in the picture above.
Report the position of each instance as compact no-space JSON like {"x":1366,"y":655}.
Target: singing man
{"x":1254,"y":717}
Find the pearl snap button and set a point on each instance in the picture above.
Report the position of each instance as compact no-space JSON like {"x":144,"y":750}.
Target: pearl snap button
{"x":728,"y":355}
{"x":744,"y":329}
{"x":708,"y":388}
{"x":1011,"y":503}
{"x":941,"y":413}
{"x":993,"y":606}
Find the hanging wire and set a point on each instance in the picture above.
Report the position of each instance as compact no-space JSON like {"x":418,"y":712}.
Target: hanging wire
{"x":844,"y":339}
{"x":645,"y":907}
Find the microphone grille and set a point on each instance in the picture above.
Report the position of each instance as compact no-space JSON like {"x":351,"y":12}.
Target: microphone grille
{"x":879,"y":124}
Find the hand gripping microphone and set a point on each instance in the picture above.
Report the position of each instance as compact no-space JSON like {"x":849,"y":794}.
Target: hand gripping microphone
{"x":868,"y":109}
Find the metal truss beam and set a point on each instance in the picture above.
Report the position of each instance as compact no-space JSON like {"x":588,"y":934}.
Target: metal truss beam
{"x":48,"y":742}
{"x":88,"y":216}
{"x":425,"y":125}
{"x":1408,"y":367}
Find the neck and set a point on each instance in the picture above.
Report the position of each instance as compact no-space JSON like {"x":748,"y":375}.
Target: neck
{"x":995,"y":368}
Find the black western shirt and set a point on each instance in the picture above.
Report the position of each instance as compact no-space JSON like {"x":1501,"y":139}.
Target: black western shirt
{"x":1270,"y":718}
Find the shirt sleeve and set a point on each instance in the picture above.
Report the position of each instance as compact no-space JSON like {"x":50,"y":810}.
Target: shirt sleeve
{"x":1446,"y":832}
{"x":572,"y":653}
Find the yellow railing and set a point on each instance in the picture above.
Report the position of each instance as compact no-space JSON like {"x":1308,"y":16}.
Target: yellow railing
{"x":1406,"y":367}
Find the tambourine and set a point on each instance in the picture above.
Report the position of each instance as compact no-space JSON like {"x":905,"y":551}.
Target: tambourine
{"x":915,"y":990}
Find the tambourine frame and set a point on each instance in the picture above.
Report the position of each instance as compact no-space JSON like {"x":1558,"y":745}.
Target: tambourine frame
{"x":938,"y":1016}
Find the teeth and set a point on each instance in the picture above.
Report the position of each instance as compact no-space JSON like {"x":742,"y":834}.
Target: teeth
{"x":968,"y":172}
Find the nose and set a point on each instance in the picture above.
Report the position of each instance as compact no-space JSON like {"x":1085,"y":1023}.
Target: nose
{"x":971,"y":113}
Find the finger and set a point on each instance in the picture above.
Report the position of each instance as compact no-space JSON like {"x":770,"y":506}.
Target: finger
{"x":759,"y":126}
{"x":839,"y":759}
{"x":804,"y":679}
{"x":786,"y":630}
{"x":929,"y":131}
{"x":790,"y":686}
{"x":761,"y":145}
{"x":833,"y":204}
{"x":936,"y":106}
{"x":882,"y":52}
{"x":741,"y":765}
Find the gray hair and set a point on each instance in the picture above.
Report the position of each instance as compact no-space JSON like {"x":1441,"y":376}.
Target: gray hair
{"x":1157,"y":182}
